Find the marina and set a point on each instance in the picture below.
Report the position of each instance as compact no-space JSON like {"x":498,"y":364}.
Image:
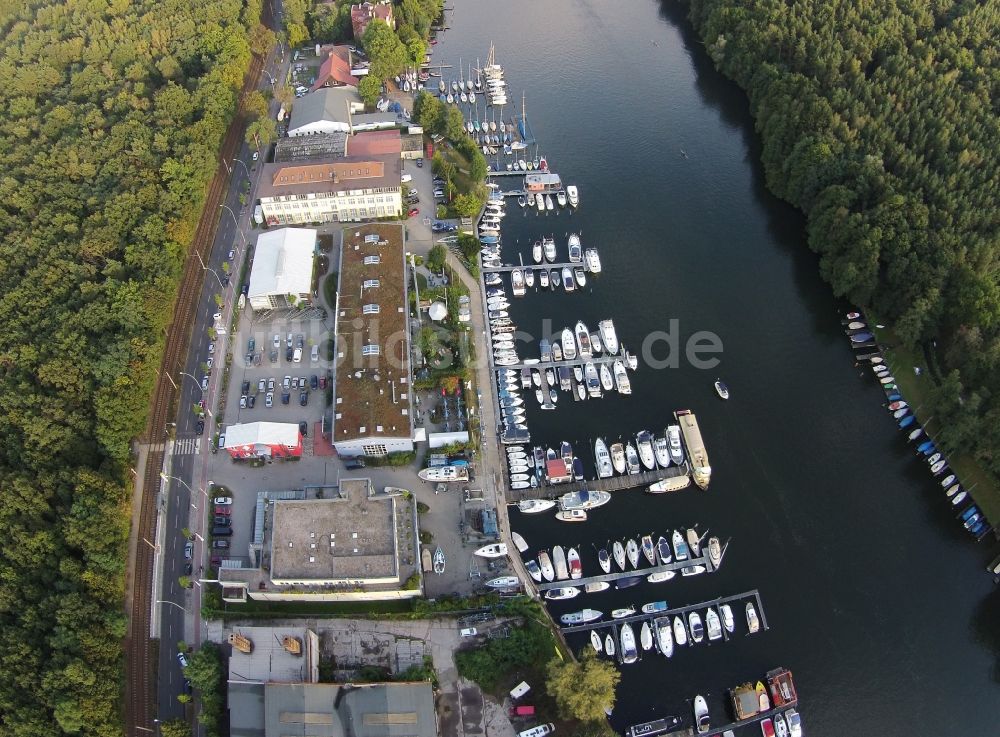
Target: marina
{"x":612,"y":483}
{"x":619,"y":575}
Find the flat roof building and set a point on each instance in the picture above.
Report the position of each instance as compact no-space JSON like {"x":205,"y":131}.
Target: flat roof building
{"x":374,"y":143}
{"x":372,"y":404}
{"x":326,"y":110}
{"x":306,"y":148}
{"x":263,"y":440}
{"x":282,"y":271}
{"x":336,"y":189}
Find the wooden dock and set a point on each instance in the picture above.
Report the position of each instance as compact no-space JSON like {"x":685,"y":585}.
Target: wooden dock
{"x":610,"y":484}
{"x":509,"y":268}
{"x":556,"y":364}
{"x":678,"y":611}
{"x":618,"y":575}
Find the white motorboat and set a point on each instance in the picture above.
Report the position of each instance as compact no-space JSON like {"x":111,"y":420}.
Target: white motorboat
{"x":648,"y":549}
{"x":595,"y":343}
{"x":680,"y":631}
{"x":561,"y":198}
{"x":539,"y":396}
{"x":533,"y":570}
{"x":701,"y":719}
{"x":582,"y":340}
{"x":622,"y":383}
{"x":503,"y":582}
{"x":609,"y":646}
{"x":581,"y":278}
{"x":595,"y":642}
{"x":644,"y":442}
{"x":721,"y":389}
{"x":632,"y":459}
{"x":592,"y":261}
{"x":674,"y":438}
{"x":753,"y":623}
{"x":557,"y":354}
{"x":660,"y":576}
{"x":559,"y":563}
{"x":618,"y":551}
{"x":606,"y":381}
{"x":632,"y":551}
{"x":529,"y":278}
{"x":522,"y":201}
{"x":536,"y":248}
{"x":548,"y":247}
{"x":727,"y":618}
{"x":581,"y":617}
{"x":519,"y":542}
{"x":627,"y":636}
{"x":604,"y":560}
{"x":593,"y":382}
{"x":618,"y":457}
{"x":595,"y":587}
{"x":609,"y":336}
{"x":623,"y":612}
{"x":573,"y":195}
{"x":646,"y":636}
{"x":578,"y":373}
{"x":571,"y":515}
{"x":550,"y":377}
{"x":664,"y":637}
{"x":604,"y":466}
{"x":569,"y":283}
{"x":536,"y":378}
{"x":522,"y":165}
{"x":516,"y":283}
{"x":575,"y":566}
{"x":496,"y":550}
{"x":584,"y":499}
{"x":540,"y":203}
{"x":680,"y":547}
{"x":693,"y":570}
{"x":713,"y":625}
{"x":714,"y":551}
{"x":515,"y":477}
{"x":696,"y":627}
{"x":661,"y":449}
{"x":694,"y":543}
{"x":663,"y":553}
{"x":545,"y":563}
{"x":568,"y":344}
{"x":534,"y":506}
{"x":581,"y":391}
{"x":564,"y":592}
{"x":575,"y":249}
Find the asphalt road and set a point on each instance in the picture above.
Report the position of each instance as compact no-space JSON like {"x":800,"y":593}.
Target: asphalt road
{"x":184,"y":501}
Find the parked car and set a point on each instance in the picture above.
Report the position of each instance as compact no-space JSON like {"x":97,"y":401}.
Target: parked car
{"x":304,"y":398}
{"x":224,"y":281}
{"x":182,"y":659}
{"x":209,"y":361}
{"x":256,"y":155}
{"x":223,"y":500}
{"x":286,"y":383}
{"x":199,"y":427}
{"x":269,"y":400}
{"x":232,"y":253}
{"x":297,"y":356}
{"x":222,"y":521}
{"x":353,"y":464}
{"x":313,"y":381}
{"x":300,"y":341}
{"x":262,"y":385}
{"x":243,"y":402}
{"x":223,"y":509}
{"x":188,"y":550}
{"x":222,"y":531}
{"x":289,"y":352}
{"x":277,"y":341}
{"x":270,"y":384}
{"x":251,"y":401}
{"x":220,"y":543}
{"x":188,"y":568}
{"x":246,"y":386}
{"x":413,"y":212}
{"x":204,"y":383}
{"x":288,"y":342}
{"x":286,"y":397}
{"x":211,"y":347}
{"x":251,"y":344}
{"x":469,"y":632}
{"x":420,"y":163}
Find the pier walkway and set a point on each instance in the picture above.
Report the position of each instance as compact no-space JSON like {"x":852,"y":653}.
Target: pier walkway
{"x":556,"y":364}
{"x":618,"y":575}
{"x":544,"y":265}
{"x":612,"y":483}
{"x":678,"y":611}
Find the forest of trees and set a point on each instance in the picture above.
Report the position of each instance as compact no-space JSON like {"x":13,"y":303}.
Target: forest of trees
{"x":880,"y":121}
{"x":112,"y":117}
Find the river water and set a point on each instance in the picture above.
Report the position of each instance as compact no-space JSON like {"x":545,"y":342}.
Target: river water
{"x":875,"y":598}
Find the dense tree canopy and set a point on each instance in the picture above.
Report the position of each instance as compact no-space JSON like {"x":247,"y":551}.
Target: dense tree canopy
{"x":879,"y":120}
{"x":112,"y":116}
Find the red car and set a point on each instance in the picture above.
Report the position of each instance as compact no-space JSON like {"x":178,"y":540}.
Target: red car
{"x":223,"y":510}
{"x":413,"y":211}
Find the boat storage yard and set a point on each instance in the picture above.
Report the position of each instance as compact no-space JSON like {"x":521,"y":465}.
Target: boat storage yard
{"x":577,"y":364}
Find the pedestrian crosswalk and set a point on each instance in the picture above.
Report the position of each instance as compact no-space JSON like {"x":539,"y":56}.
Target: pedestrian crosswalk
{"x":187,"y":446}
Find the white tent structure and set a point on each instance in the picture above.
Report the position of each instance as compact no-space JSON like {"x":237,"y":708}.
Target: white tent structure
{"x":282,"y":268}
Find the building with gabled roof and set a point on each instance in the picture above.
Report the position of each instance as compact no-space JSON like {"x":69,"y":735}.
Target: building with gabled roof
{"x":335,"y":71}
{"x":282,"y":271}
{"x":365,"y":13}
{"x":328,"y":110}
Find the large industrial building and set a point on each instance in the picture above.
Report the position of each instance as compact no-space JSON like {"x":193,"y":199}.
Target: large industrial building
{"x":282,"y":271}
{"x":372,"y":395}
{"x":263,"y":440}
{"x":327,"y":110}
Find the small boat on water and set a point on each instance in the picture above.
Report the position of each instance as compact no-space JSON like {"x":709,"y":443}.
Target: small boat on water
{"x":753,"y":624}
{"x":762,"y":698}
{"x":439,"y":560}
{"x":694,"y":543}
{"x":618,"y":457}
{"x":580,"y":276}
{"x":654,"y":606}
{"x":767,"y":728}
{"x":605,"y":468}
{"x":721,"y":389}
{"x":663,"y":550}
{"x":676,"y":450}
{"x":569,"y":283}
{"x":536,"y":248}
{"x":632,"y":551}
{"x":496,"y":550}
{"x":780,"y":726}
{"x":680,"y":547}
{"x":571,"y":515}
{"x":628,"y":582}
{"x":595,"y":642}
{"x":693,"y":570}
{"x":696,"y":627}
{"x":661,"y":449}
{"x":648,"y":550}
{"x":660,"y":576}
{"x":607,"y":382}
{"x":609,"y":645}
{"x":645,"y":636}
{"x":559,"y":563}
{"x":519,"y":542}
{"x":545,"y":563}
{"x":727,"y":618}
{"x":604,"y":560}
{"x":561,"y":198}
{"x":575,"y":567}
{"x":618,"y":551}
{"x":565,"y":592}
{"x":664,"y":637}
{"x":582,"y":340}
{"x":623,"y":612}
{"x":548,"y":247}
{"x":534,"y":506}
{"x":555,"y":278}
{"x":533,"y":570}
{"x":596,"y":587}
{"x":680,"y":631}
{"x":713,"y":625}
{"x":701,"y":719}
{"x":632,"y":459}
{"x":644,"y":442}
{"x":581,"y":617}
{"x":592,"y":262}
{"x":714,"y":551}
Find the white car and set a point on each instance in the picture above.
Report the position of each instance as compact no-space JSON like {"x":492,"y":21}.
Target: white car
{"x":211,"y":348}
{"x":232,"y":252}
{"x":204,"y":383}
{"x":223,"y":500}
{"x":209,"y":362}
{"x":297,"y":356}
{"x":469,"y":632}
{"x":256,"y":155}
{"x":277,"y":341}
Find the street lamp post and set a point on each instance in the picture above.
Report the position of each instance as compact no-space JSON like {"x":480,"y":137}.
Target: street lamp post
{"x":179,"y":480}
{"x":269,"y":76}
{"x":206,"y":268}
{"x":230,"y":211}
{"x":171,"y":603}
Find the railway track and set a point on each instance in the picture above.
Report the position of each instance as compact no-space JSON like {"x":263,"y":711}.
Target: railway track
{"x":140,"y":670}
